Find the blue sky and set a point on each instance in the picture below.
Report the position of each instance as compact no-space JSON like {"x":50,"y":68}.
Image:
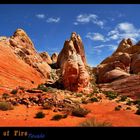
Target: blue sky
{"x":101,"y":26}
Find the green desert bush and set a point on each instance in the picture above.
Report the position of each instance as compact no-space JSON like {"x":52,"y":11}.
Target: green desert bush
{"x":129,"y":102}
{"x":59,"y":116}
{"x":117,"y":108}
{"x":40,"y":114}
{"x":93,"y":99}
{"x":44,"y":88}
{"x":90,"y":95}
{"x":96,"y":90}
{"x":128,"y":108}
{"x":123,"y":98}
{"x":5,"y":96}
{"x":6,"y":106}
{"x":137,"y":102}
{"x":111,"y":95}
{"x":79,"y":95}
{"x":138,"y":111}
{"x":93,"y":123}
{"x":14,"y":91}
{"x":79,"y":112}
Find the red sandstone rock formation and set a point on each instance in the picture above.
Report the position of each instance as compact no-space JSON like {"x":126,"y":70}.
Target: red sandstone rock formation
{"x":72,"y":63}
{"x":20,"y":63}
{"x":24,"y":49}
{"x":15,"y":72}
{"x":123,"y":62}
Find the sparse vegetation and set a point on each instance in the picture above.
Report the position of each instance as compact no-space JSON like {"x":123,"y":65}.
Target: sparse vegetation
{"x":128,"y":108}
{"x":59,"y":116}
{"x":40,"y":114}
{"x":79,"y":95}
{"x":80,"y":112}
{"x":44,"y":88}
{"x":90,"y":95}
{"x":117,"y":108}
{"x":111,"y":95}
{"x":129,"y":103}
{"x":14,"y":91}
{"x":137,"y":102}
{"x":123,"y":98}
{"x":93,"y":123}
{"x":96,"y":90}
{"x":84,"y":101}
{"x":21,"y":88}
{"x":6,"y":106}
{"x":93,"y":99}
{"x":138,"y":111}
{"x":47,"y":105}
{"x":5,"y":96}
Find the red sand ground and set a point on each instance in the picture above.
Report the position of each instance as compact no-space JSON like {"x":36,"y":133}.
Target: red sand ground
{"x":23,"y":116}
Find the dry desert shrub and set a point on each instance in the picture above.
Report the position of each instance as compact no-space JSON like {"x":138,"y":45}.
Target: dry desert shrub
{"x":93,"y":123}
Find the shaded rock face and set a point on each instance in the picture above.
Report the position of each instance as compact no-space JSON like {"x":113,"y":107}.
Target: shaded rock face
{"x":72,"y":63}
{"x":123,"y":62}
{"x":24,"y":49}
{"x":54,"y":57}
{"x":135,"y":64}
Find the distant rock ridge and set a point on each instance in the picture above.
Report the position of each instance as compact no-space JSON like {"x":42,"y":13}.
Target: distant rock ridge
{"x":122,"y":63}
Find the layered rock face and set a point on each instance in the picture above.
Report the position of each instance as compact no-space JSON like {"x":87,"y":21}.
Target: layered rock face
{"x":128,"y":86}
{"x":123,"y":62}
{"x":24,"y":49}
{"x":72,"y":62}
{"x":15,"y":72}
{"x":22,"y":63}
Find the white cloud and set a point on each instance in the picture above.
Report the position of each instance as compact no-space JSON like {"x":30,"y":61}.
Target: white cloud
{"x":75,"y":23}
{"x":86,"y":18}
{"x":126,"y":27}
{"x":40,"y":16}
{"x":53,"y":20}
{"x":111,"y":47}
{"x":95,"y":36}
{"x":124,"y":30}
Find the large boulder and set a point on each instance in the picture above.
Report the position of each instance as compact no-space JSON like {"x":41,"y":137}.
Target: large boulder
{"x":135,"y":64}
{"x":113,"y":75}
{"x":72,"y":62}
{"x":74,"y":74}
